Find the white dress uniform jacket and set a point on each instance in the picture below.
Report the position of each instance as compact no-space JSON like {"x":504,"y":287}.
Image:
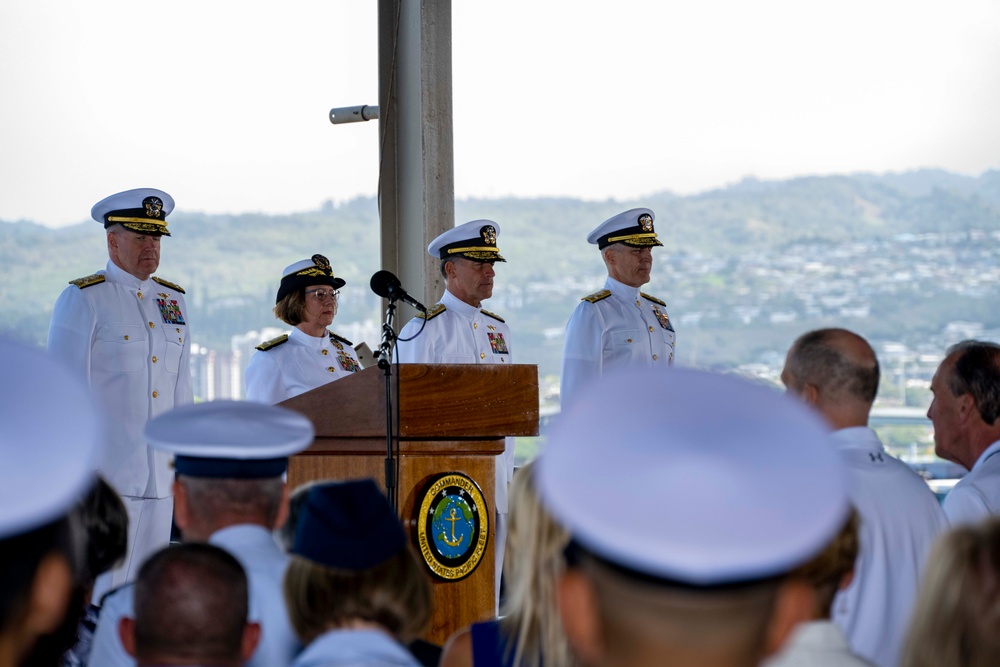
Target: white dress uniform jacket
{"x":462,"y":334}
{"x":265,"y":564}
{"x":617,"y":327}
{"x":129,"y":339}
{"x":977,"y":495}
{"x":355,"y":648}
{"x":296,"y":363}
{"x":816,"y":644}
{"x":900,"y":519}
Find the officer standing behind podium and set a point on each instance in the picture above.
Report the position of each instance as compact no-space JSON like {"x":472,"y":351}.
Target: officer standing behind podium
{"x":619,"y":325}
{"x":458,"y":331}
{"x":125,"y":332}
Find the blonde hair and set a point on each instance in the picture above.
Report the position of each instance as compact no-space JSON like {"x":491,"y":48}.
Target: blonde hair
{"x":956,"y":621}
{"x":292,"y":307}
{"x":533,"y":561}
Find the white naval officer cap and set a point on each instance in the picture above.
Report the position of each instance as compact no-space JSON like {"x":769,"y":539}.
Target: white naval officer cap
{"x":693,"y":478}
{"x":634,"y":228}
{"x":52,"y":435}
{"x":475,"y":240}
{"x":142,"y":210}
{"x":230,"y":439}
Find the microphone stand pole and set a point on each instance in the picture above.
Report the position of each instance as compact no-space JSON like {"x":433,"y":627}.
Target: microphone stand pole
{"x":385,"y":363}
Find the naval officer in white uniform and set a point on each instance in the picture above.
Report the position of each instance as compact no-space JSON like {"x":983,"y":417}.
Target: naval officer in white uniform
{"x":310,"y":356}
{"x":231,"y":457}
{"x":619,"y":325}
{"x":126,"y":332}
{"x":457,"y":330}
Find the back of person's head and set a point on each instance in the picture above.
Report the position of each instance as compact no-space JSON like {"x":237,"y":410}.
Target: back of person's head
{"x":352,"y":562}
{"x":839,"y":363}
{"x":956,"y":620}
{"x":191,"y":607}
{"x":533,"y":561}
{"x":833,"y":567}
{"x":977,"y":372}
{"x":104,"y":520}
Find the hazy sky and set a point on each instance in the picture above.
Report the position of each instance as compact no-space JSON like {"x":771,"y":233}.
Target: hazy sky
{"x":224,"y":104}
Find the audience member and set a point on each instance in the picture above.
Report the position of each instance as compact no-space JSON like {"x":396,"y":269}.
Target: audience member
{"x":836,"y":372}
{"x":355,"y":590}
{"x":956,"y":620}
{"x":230,"y":457}
{"x":529,"y":633}
{"x":966,"y":417}
{"x":690,"y":497}
{"x":191,"y":607}
{"x":817,"y":641}
{"x":46,"y":465}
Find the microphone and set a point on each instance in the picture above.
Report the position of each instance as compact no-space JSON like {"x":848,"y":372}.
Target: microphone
{"x":386,"y":284}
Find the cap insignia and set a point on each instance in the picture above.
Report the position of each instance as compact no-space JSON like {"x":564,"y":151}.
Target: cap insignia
{"x":646,"y":222}
{"x":489,"y":233}
{"x":322,"y":262}
{"x":154,"y":205}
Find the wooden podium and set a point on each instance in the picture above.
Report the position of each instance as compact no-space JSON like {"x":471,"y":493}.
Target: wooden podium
{"x":452,"y":419}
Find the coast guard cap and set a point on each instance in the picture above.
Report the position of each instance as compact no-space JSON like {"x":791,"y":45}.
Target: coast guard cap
{"x":633,"y":228}
{"x":302,"y":274}
{"x":143,"y":210}
{"x":693,"y":478}
{"x":476,"y":240}
{"x":50,"y":442}
{"x":230,"y":439}
{"x":348,"y":525}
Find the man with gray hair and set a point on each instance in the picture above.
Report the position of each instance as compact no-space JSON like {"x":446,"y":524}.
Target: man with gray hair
{"x":836,"y":372}
{"x":966,"y":416}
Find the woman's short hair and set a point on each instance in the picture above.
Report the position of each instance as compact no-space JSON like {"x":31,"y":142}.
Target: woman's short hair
{"x":956,"y":620}
{"x":395,"y":594}
{"x":291,"y":308}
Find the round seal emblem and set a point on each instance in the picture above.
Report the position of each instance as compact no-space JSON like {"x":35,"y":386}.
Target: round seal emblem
{"x":453,"y":526}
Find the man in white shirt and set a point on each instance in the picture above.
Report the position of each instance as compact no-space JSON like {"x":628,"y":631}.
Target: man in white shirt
{"x":620,"y":325}
{"x":966,"y":416}
{"x":125,"y":331}
{"x":836,"y":372}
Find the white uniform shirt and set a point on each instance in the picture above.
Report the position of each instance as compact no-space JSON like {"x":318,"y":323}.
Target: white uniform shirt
{"x":816,"y":644}
{"x":899,"y":520}
{"x":625,"y":328}
{"x":129,"y":339}
{"x":265,"y":564}
{"x":463,"y":334}
{"x":297,"y":365}
{"x":355,"y":648}
{"x":977,"y":495}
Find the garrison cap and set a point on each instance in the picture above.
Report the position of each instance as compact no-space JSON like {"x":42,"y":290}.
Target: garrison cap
{"x":302,"y":274}
{"x":230,"y":439}
{"x":693,"y":478}
{"x":476,"y":240}
{"x":143,"y":210}
{"x":50,"y":442}
{"x":633,"y":228}
{"x":348,"y":525}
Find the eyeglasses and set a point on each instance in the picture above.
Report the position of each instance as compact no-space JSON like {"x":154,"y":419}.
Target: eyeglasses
{"x":324,"y":294}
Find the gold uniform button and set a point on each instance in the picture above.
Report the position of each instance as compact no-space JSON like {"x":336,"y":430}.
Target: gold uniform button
{"x":482,"y":355}
{"x":331,"y":369}
{"x":655,"y":357}
{"x":126,"y":337}
{"x":324,"y":352}
{"x":502,"y":360}
{"x":155,"y":394}
{"x":154,"y":359}
{"x":152,"y":326}
{"x":180,"y":340}
{"x":178,"y":331}
{"x":475,"y":325}
{"x":651,"y":329}
{"x":139,"y":294}
{"x":629,"y":340}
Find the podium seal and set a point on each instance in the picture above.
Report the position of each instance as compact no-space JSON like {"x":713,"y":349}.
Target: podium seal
{"x":453,"y":526}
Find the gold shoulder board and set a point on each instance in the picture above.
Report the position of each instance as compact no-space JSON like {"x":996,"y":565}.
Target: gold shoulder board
{"x":167,"y":283}
{"x":274,"y":342}
{"x":651,"y":298}
{"x":597,"y":296}
{"x":493,"y":315}
{"x":340,"y":338}
{"x":433,"y":311}
{"x":87,"y":281}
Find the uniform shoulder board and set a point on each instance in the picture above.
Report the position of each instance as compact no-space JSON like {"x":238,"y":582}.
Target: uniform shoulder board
{"x":87,"y":281}
{"x":274,"y":342}
{"x":597,"y":296}
{"x":493,"y":315}
{"x":167,"y":283}
{"x":340,"y":338}
{"x":433,"y":311}
{"x":651,"y":298}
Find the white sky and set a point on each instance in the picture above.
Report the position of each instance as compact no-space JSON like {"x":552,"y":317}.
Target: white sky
{"x":224,"y":104}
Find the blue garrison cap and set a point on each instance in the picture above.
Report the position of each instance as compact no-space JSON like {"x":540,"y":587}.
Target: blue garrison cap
{"x":349,"y":526}
{"x":693,"y":477}
{"x":50,"y":440}
{"x":230,"y":439}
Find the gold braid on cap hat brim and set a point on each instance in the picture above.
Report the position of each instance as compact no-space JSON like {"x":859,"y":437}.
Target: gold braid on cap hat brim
{"x":140,"y":224}
{"x":649,"y":238}
{"x":482,"y":253}
{"x":314,"y":271}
